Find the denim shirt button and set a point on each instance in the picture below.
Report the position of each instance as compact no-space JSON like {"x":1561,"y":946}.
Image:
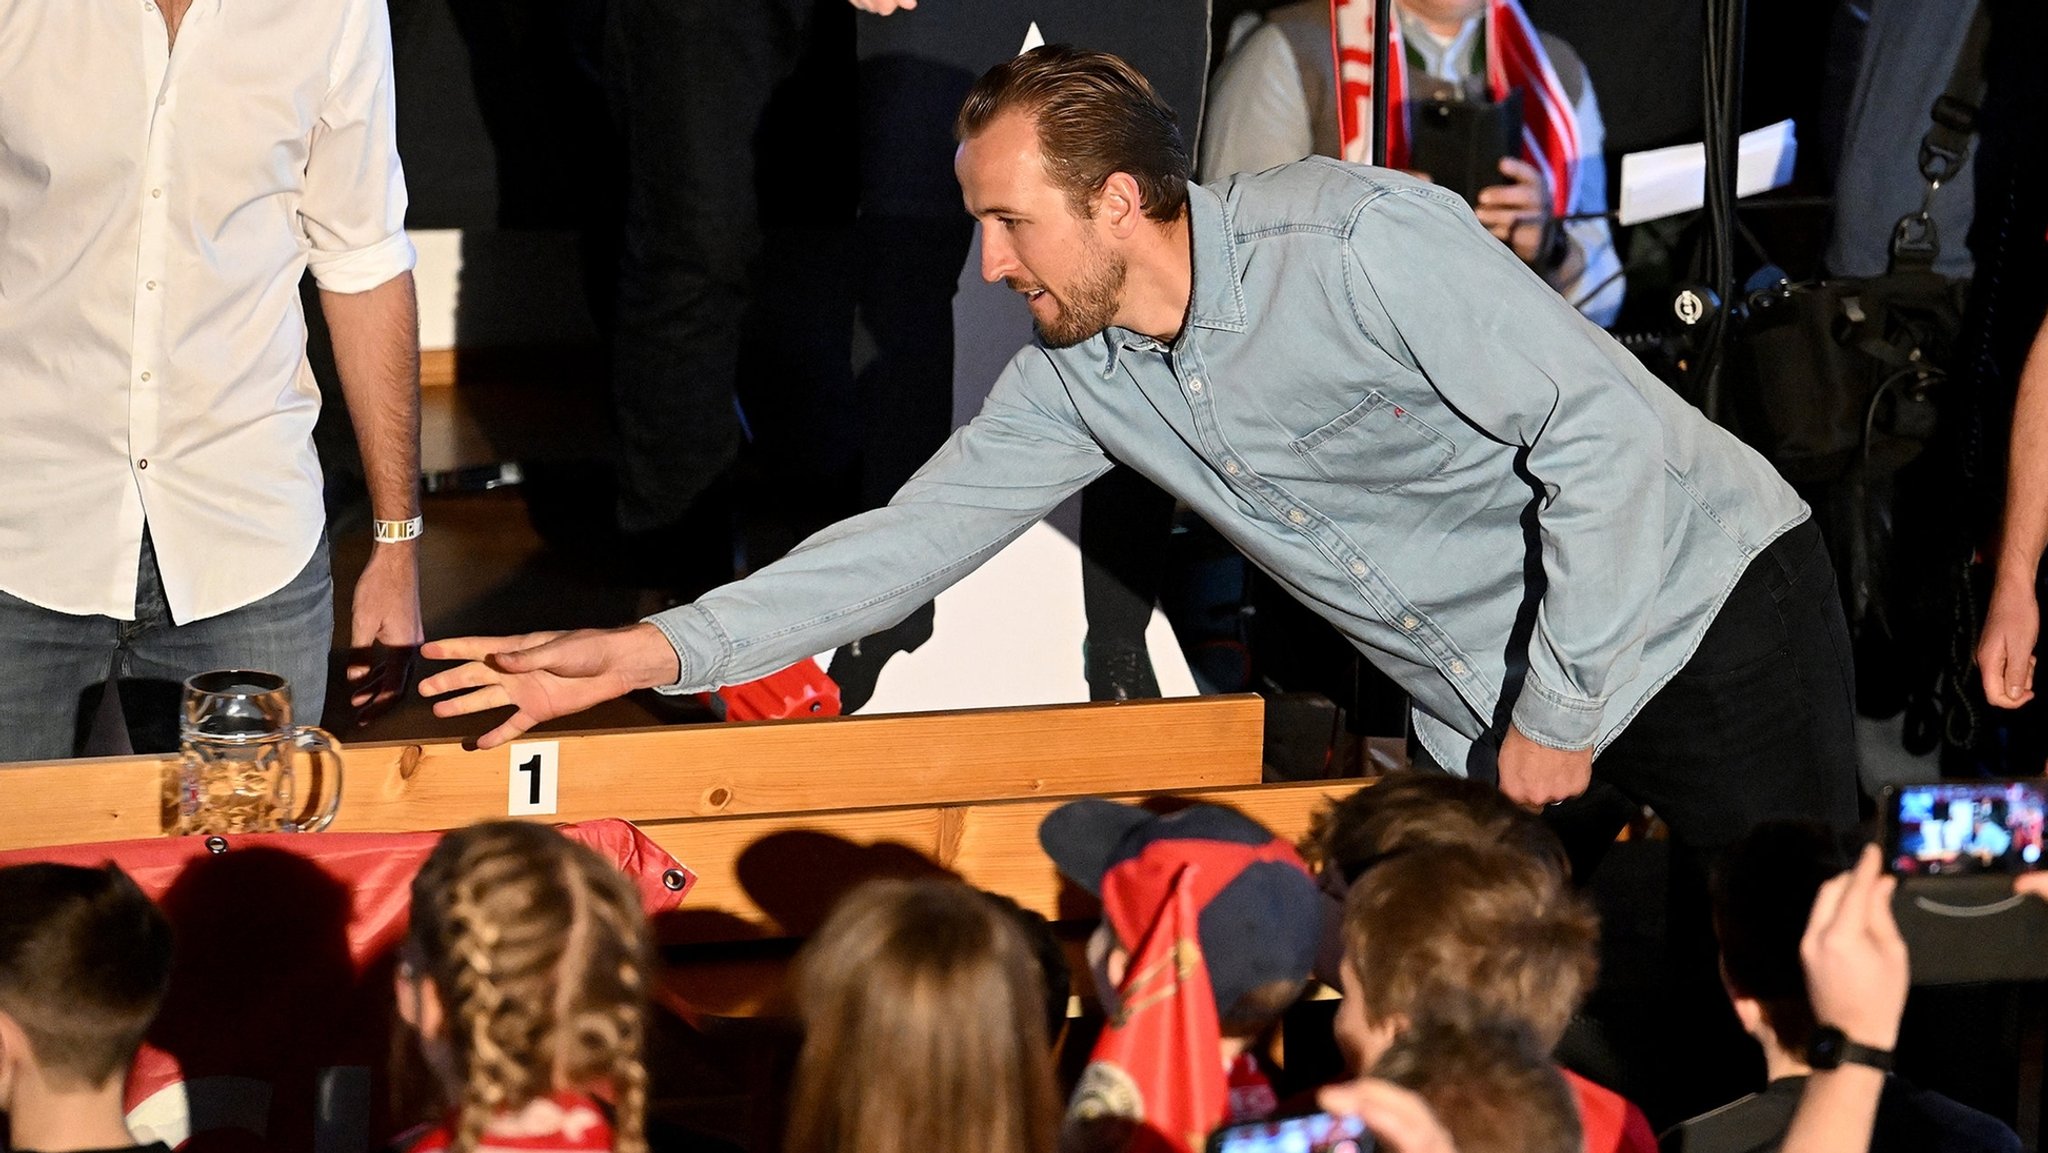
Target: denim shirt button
{"x":1195,"y":385}
{"x":1358,"y":568}
{"x":1230,"y":466}
{"x":1409,"y":622}
{"x":1297,"y":516}
{"x":1458,"y":668}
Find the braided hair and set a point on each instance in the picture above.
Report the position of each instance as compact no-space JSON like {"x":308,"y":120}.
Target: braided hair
{"x":539,"y":950}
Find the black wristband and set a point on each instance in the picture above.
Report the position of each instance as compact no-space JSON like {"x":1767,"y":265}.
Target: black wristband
{"x":1830,"y":1048}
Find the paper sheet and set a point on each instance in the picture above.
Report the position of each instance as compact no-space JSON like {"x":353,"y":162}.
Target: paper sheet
{"x":1667,"y":181}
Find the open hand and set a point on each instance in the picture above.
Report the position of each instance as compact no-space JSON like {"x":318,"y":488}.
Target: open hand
{"x":546,"y":675}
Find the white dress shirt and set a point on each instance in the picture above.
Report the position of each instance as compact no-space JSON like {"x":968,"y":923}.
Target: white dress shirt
{"x":157,"y":209}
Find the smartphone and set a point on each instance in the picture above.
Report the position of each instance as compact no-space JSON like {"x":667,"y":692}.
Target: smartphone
{"x":1965,"y":828}
{"x":1313,"y":1133}
{"x":1461,"y":143}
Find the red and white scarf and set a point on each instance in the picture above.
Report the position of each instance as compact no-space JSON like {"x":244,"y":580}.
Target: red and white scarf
{"x":1514,"y":59}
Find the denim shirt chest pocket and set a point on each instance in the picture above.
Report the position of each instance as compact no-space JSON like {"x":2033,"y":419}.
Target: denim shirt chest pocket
{"x":1376,"y":445}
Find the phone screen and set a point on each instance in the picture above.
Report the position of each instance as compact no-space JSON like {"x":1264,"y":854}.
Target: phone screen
{"x":1960,"y":828}
{"x":1314,"y":1133}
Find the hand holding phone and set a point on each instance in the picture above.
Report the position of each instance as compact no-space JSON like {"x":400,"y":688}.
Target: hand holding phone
{"x":1313,"y":1133}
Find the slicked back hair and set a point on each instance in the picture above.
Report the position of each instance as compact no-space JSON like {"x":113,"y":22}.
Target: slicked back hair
{"x":85,"y":958}
{"x":1095,"y":116}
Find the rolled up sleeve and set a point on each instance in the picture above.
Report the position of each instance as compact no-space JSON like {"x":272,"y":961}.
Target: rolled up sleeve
{"x":353,"y":210}
{"x":1518,"y":363}
{"x":1011,"y":465}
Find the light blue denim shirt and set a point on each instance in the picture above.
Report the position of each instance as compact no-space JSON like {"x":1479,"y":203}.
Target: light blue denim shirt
{"x":1387,"y":412}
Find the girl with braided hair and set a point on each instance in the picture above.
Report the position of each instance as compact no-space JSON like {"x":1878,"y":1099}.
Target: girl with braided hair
{"x":523,"y":980}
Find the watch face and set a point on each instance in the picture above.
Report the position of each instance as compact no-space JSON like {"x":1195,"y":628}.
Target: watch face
{"x":1825,"y":1050}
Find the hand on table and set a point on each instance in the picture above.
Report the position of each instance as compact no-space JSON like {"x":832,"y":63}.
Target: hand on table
{"x":1518,"y":212}
{"x":2005,"y":653}
{"x":1399,"y":1119}
{"x":384,"y":629}
{"x":546,"y":675}
{"x":1857,"y":971}
{"x":1534,"y":775}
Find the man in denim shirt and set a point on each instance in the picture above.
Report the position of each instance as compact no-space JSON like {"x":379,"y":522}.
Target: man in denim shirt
{"x":1377,"y":402}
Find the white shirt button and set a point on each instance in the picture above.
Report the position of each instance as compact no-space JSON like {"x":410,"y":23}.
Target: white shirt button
{"x":149,"y":284}
{"x":162,"y":100}
{"x":1195,"y":385}
{"x":143,"y":463}
{"x":156,"y":192}
{"x":1458,"y":667}
{"x":1230,"y":466}
{"x":1409,"y":622}
{"x":1297,"y":516}
{"x":145,"y":376}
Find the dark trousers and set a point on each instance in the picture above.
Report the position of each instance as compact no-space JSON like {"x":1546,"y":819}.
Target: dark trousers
{"x":690,"y":82}
{"x":1760,"y":723}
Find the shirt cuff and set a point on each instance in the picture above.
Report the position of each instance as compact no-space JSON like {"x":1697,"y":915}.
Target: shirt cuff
{"x":701,"y":647}
{"x":1557,"y":720}
{"x":362,"y":269}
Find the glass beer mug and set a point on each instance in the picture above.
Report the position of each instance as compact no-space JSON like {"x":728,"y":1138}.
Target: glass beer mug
{"x":240,"y":747}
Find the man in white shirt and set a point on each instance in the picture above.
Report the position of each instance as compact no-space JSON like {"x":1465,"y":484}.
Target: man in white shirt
{"x":168,"y":170}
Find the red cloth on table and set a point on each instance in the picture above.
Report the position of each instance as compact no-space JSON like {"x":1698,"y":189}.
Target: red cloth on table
{"x":278,"y":1021}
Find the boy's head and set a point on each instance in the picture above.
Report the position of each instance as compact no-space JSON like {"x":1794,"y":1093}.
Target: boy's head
{"x":1763,"y":891}
{"x":84,"y":961}
{"x":1464,"y":934}
{"x":1349,"y":836}
{"x":1492,"y":1085}
{"x":1259,"y":908}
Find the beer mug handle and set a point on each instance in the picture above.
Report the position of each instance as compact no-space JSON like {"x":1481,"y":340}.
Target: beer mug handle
{"x":317,"y":743}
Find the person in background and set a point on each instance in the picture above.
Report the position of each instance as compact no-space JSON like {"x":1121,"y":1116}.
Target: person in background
{"x":1764,"y":896}
{"x":1474,"y":936}
{"x":1254,"y":909}
{"x":1275,"y":99}
{"x":2012,"y":623}
{"x":921,"y":1004}
{"x":85,"y":959}
{"x":523,"y":981}
{"x":1493,"y":1086}
{"x":161,"y":506}
{"x":1857,"y":976}
{"x":1353,"y":836}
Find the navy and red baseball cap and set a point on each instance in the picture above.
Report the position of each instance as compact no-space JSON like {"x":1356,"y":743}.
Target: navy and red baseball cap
{"x":1261,"y":912}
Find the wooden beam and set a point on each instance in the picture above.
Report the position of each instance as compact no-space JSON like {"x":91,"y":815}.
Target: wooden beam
{"x":660,"y":774}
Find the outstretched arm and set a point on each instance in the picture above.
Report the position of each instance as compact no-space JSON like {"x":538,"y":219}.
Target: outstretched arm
{"x":1024,"y":454}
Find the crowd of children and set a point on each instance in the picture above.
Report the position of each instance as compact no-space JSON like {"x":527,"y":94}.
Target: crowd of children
{"x":931,"y":1012}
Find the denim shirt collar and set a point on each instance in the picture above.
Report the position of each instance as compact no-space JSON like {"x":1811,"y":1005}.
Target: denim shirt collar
{"x":1216,"y":298}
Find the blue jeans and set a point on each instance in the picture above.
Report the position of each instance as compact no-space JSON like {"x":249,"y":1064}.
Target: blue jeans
{"x":54,"y":667}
